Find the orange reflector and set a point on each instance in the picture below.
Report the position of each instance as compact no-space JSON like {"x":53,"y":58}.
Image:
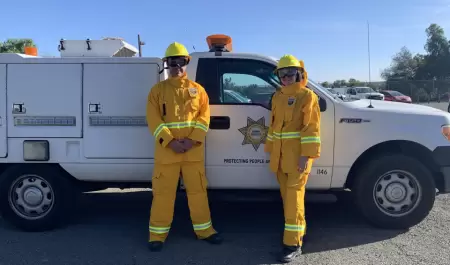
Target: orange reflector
{"x":220,"y":39}
{"x":446,"y":131}
{"x":31,"y":51}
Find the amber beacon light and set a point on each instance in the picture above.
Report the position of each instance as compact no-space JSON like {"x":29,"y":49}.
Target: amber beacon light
{"x":219,"y":41}
{"x":31,"y":51}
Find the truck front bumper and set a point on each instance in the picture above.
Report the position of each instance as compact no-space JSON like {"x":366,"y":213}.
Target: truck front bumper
{"x":441,"y":157}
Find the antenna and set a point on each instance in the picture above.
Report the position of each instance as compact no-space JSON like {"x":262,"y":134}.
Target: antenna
{"x":140,"y":44}
{"x":368,"y":53}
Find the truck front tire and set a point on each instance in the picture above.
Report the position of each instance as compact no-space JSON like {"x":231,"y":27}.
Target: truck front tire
{"x":35,"y":197}
{"x":394,"y":191}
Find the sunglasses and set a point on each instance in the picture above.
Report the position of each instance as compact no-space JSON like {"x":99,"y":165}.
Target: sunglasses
{"x":287,"y":72}
{"x":177,"y":61}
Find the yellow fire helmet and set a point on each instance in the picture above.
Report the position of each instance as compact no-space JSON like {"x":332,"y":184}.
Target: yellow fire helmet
{"x":289,"y":61}
{"x":176,"y":49}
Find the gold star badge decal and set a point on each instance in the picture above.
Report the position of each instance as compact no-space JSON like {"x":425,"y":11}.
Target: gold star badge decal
{"x":255,"y":132}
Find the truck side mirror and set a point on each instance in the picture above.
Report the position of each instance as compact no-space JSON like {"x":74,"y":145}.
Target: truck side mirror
{"x":322,"y":104}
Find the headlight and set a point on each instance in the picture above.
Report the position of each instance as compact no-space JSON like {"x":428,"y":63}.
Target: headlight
{"x":445,"y":129}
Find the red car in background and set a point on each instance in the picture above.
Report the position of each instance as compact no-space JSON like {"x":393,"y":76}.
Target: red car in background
{"x":392,"y":95}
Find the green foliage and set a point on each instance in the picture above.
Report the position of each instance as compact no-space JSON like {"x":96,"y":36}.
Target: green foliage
{"x":434,"y":65}
{"x":15,"y":45}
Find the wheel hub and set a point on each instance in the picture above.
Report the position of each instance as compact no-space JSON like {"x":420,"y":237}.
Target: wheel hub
{"x":397,"y":193}
{"x":33,"y":196}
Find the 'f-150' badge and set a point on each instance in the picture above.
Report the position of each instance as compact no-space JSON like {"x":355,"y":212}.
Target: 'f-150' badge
{"x":255,"y":132}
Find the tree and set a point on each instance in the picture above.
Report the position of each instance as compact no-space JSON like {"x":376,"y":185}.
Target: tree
{"x":15,"y":45}
{"x":353,"y":82}
{"x":403,"y":66}
{"x":437,"y":59}
{"x":433,"y":65}
{"x":325,"y":84}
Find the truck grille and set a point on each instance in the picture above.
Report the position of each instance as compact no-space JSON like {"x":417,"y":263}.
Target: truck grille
{"x":375,"y":97}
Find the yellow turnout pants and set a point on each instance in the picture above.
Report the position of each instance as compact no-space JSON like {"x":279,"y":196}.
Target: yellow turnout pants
{"x":292,"y":188}
{"x":165,"y":182}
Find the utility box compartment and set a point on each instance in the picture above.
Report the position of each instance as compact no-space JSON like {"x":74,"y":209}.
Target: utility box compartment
{"x":114,"y":102}
{"x":44,"y":100}
{"x":3,"y":125}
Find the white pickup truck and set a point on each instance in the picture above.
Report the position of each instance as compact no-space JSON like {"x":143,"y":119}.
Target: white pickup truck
{"x":360,"y":93}
{"x":77,"y":123}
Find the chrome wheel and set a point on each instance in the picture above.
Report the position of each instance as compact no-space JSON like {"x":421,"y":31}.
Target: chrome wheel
{"x":397,"y":193}
{"x":31,"y":197}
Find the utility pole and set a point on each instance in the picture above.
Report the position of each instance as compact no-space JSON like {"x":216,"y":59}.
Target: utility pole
{"x":368,"y":48}
{"x":140,"y":44}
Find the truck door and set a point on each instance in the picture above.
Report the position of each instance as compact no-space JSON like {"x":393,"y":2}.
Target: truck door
{"x":114,"y":102}
{"x":235,"y":156}
{"x":3,"y":124}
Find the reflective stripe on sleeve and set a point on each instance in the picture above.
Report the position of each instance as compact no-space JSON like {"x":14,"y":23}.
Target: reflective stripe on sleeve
{"x":201,"y":126}
{"x":202,"y":226}
{"x":294,"y":228}
{"x":158,"y":230}
{"x":310,"y":140}
{"x":269,"y":137}
{"x":179,"y":125}
{"x":286,"y":135}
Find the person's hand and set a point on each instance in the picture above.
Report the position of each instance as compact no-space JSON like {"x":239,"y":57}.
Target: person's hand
{"x":187,"y":143}
{"x":176,"y":146}
{"x":302,"y":163}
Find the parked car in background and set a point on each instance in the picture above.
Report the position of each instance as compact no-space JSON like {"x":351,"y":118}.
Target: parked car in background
{"x":356,"y":93}
{"x":339,"y":95}
{"x":236,"y":97}
{"x":392,"y":95}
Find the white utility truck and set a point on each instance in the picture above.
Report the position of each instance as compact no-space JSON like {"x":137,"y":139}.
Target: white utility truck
{"x":77,"y":123}
{"x":360,"y":93}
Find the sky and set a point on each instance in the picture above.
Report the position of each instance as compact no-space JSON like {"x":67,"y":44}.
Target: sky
{"x":330,"y":36}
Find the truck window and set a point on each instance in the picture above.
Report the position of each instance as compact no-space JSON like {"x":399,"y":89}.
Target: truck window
{"x":238,"y":87}
{"x":251,"y":81}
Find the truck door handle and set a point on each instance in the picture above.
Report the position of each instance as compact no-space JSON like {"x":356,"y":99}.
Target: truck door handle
{"x":219,"y":123}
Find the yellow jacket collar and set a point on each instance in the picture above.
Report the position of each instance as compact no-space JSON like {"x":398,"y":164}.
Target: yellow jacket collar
{"x":178,"y":81}
{"x":292,"y":89}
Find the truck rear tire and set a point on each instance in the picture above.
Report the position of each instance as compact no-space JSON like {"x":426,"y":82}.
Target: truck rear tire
{"x":35,"y":197}
{"x":394,"y":191}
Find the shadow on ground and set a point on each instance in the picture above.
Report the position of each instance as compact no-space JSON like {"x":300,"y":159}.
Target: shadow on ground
{"x":111,"y":228}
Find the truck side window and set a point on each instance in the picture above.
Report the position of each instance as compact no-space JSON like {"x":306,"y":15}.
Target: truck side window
{"x":245,"y":81}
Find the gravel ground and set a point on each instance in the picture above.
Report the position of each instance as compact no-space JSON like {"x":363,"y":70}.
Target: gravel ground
{"x":111,"y":228}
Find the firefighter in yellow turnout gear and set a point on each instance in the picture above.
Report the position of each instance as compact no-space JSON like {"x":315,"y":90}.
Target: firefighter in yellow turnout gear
{"x":293,"y":142}
{"x":178,"y":115}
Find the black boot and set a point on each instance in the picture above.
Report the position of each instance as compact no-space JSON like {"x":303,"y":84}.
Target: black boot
{"x":155,"y":246}
{"x":289,"y":253}
{"x":214,"y":239}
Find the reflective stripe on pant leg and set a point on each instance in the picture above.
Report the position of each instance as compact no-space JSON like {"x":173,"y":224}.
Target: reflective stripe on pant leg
{"x":164,"y":187}
{"x":194,"y":179}
{"x":295,"y":222}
